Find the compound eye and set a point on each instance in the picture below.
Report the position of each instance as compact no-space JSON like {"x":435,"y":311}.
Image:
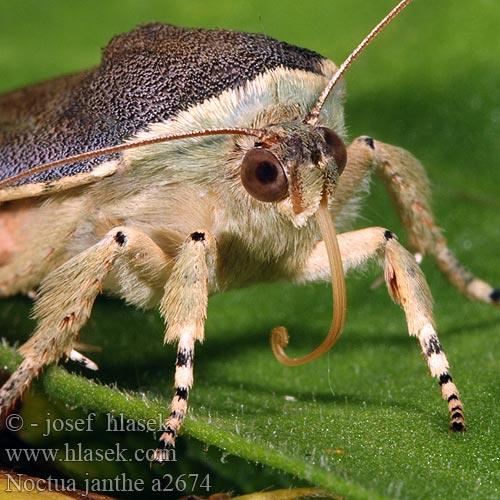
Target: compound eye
{"x":337,"y":148}
{"x":263,"y":176}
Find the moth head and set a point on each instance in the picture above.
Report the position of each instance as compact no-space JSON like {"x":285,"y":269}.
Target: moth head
{"x":295,"y":167}
{"x":291,"y":166}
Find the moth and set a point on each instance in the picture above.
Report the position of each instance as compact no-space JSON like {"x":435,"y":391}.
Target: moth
{"x":191,"y":162}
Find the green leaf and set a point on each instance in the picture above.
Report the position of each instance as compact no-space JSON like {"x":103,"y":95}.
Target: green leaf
{"x":364,"y":421}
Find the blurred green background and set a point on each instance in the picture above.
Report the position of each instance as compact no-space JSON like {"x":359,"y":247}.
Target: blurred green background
{"x":365,"y":421}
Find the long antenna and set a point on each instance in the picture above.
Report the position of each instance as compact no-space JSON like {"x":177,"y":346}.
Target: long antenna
{"x":130,"y":145}
{"x":312,"y":117}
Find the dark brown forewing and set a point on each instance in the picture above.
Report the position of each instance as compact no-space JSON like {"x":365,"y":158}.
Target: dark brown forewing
{"x":146,"y":75}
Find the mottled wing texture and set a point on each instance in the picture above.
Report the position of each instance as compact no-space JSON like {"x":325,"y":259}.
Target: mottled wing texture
{"x":147,"y":75}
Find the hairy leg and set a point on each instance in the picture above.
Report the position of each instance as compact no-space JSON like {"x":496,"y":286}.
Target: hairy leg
{"x":407,"y":183}
{"x":408,"y":186}
{"x":67,"y":294}
{"x":184,"y":308}
{"x":407,"y":287}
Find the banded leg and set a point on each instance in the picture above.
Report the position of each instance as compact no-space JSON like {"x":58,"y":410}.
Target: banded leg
{"x":408,"y":186}
{"x":407,"y":287}
{"x":67,"y":295}
{"x":184,"y":308}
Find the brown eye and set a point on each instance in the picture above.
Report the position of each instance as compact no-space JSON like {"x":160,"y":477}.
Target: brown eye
{"x":262,"y":175}
{"x":337,"y":148}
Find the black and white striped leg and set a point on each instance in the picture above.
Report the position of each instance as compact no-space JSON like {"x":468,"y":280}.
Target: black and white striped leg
{"x":407,"y":287}
{"x":184,"y":307}
{"x":179,"y":405}
{"x":439,"y":368}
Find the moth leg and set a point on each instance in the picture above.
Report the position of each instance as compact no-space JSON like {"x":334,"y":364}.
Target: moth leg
{"x":83,"y":360}
{"x":354,"y":182}
{"x":67,"y":295}
{"x":407,"y":287}
{"x":184,"y":308}
{"x":406,"y":181}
